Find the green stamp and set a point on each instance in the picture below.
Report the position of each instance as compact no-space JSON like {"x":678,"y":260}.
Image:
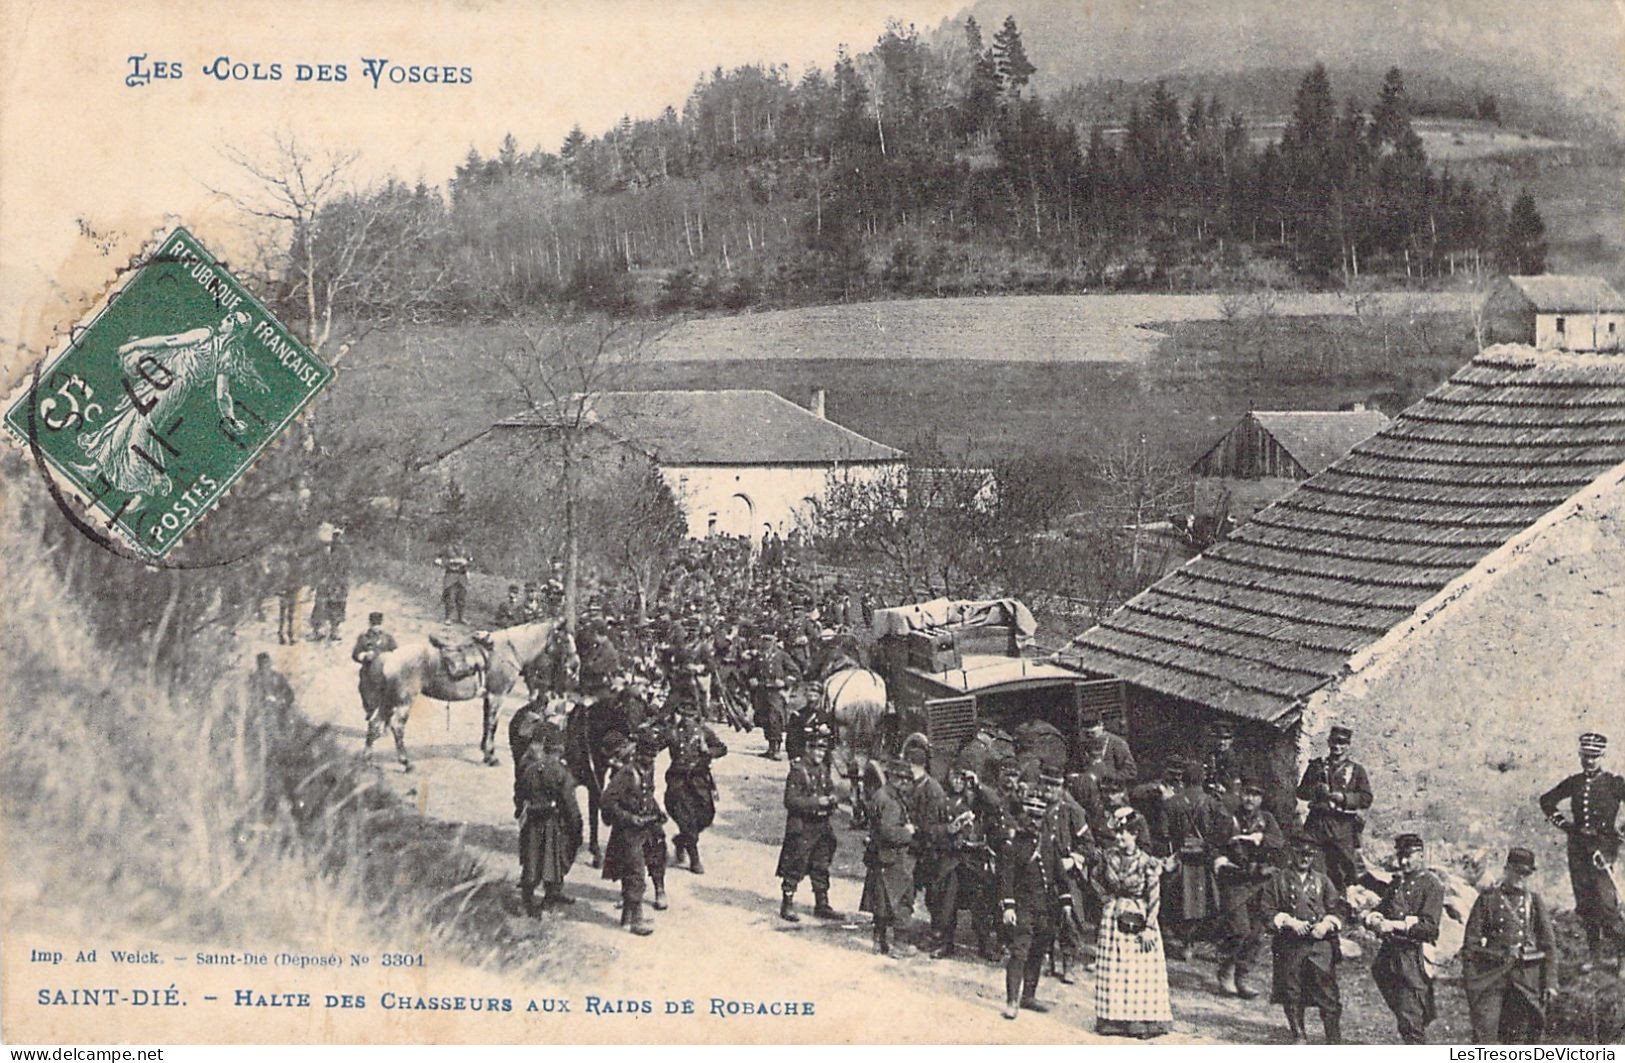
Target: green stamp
{"x":157,"y":406}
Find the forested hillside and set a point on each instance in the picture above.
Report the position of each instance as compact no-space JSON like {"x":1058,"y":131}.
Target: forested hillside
{"x":927,"y":165}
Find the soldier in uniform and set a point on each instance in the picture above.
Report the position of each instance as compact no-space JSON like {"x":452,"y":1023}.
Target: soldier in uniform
{"x":1032,"y":896}
{"x":552,"y":600}
{"x":1066,"y":827}
{"x":454,"y":584}
{"x":1592,"y":826}
{"x":928,"y":811}
{"x":809,"y":837}
{"x":1197,"y":830}
{"x":691,"y":792}
{"x":289,"y":581}
{"x":270,"y":693}
{"x":1107,"y":750}
{"x":968,"y":873}
{"x":1222,"y":767}
{"x":770,"y":677}
{"x":549,"y":819}
{"x":369,"y":644}
{"x":888,"y":881}
{"x":637,"y":845}
{"x":332,"y":589}
{"x":1338,"y":792}
{"x":1300,"y":906}
{"x":1250,"y":857}
{"x":1509,"y":958}
{"x":534,"y":609}
{"x":600,"y":660}
{"x":1407,"y":919}
{"x":511,"y":612}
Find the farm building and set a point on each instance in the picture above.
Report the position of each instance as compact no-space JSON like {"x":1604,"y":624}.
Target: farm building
{"x":1555,"y":312}
{"x":735,"y":460}
{"x":1450,"y":589}
{"x":1287,"y":444}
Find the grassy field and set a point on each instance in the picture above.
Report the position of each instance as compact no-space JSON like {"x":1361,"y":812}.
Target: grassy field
{"x":1181,"y":395}
{"x":1009,"y":328}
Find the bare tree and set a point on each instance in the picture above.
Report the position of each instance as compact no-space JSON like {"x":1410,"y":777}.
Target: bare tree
{"x":336,"y":248}
{"x":560,"y":367}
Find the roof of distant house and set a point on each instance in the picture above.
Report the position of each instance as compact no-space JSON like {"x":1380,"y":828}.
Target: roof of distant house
{"x":1558,"y":292}
{"x":1316,"y":438}
{"x":736,"y":427}
{"x":1260,"y":621}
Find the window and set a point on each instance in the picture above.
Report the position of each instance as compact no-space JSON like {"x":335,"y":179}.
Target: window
{"x":1560,"y":326}
{"x":1613,"y":326}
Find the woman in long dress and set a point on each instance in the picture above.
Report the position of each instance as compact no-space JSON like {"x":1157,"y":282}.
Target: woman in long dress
{"x":1131,"y":976}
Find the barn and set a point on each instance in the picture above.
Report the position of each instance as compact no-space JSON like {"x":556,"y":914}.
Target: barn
{"x":736,"y":460}
{"x":1555,"y":312}
{"x":1450,"y":588}
{"x":1287,"y":444}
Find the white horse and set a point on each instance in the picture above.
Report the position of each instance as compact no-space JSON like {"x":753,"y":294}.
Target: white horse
{"x":392,"y":680}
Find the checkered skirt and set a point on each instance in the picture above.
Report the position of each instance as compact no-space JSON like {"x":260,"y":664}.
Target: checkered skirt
{"x":1130,"y":985}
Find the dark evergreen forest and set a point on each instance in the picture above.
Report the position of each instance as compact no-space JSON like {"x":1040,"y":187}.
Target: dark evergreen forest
{"x":930,"y":168}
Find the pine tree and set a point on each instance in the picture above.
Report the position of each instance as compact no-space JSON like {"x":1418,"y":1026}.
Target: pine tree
{"x":1010,"y":57}
{"x":1523,"y":242}
{"x":1391,"y":118}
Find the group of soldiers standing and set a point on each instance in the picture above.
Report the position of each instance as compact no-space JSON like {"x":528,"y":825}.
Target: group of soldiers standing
{"x":1073,"y":861}
{"x":1040,"y":860}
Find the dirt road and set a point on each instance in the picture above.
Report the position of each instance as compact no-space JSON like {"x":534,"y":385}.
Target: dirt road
{"x":722,"y":937}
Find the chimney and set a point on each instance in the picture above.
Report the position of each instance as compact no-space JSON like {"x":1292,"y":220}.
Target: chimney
{"x":817,"y":406}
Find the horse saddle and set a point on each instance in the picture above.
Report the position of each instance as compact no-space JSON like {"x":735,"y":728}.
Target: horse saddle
{"x":461,"y":659}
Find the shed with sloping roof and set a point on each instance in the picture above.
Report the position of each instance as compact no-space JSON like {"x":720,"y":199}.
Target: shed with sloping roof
{"x":1254,"y":627}
{"x":1289,"y":444}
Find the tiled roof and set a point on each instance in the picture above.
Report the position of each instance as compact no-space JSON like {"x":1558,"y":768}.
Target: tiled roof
{"x":1556,"y":292}
{"x":1316,"y":438}
{"x":1259,"y":621}
{"x":722,"y":428}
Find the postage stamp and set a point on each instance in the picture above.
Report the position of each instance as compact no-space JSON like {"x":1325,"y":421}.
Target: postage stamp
{"x":154,"y":409}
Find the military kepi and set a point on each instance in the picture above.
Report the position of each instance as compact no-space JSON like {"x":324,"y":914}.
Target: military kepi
{"x":1408,"y":843}
{"x":1521,"y":859}
{"x":1340,"y":733}
{"x":1593,"y":744}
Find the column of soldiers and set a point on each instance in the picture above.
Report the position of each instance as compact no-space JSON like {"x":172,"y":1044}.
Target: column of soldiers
{"x":1017,"y":856}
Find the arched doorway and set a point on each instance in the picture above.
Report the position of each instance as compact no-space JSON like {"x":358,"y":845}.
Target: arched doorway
{"x":738,"y":516}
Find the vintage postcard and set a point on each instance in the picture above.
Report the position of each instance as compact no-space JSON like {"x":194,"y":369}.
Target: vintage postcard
{"x":774,"y":521}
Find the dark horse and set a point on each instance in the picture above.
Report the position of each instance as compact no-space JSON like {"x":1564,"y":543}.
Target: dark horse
{"x":595,"y":730}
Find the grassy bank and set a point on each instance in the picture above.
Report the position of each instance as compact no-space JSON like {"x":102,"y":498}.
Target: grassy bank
{"x":147,"y":799}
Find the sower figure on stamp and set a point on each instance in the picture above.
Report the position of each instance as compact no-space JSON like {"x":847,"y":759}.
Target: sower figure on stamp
{"x":1592,"y":825}
{"x":1338,"y":792}
{"x":1300,"y":907}
{"x":888,"y":881}
{"x":809,"y":837}
{"x":549,"y":818}
{"x":1407,"y":920}
{"x":1032,"y":898}
{"x":637,"y":845}
{"x":1509,"y":958}
{"x":691,"y":792}
{"x":1250,"y":857}
{"x":454,"y":584}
